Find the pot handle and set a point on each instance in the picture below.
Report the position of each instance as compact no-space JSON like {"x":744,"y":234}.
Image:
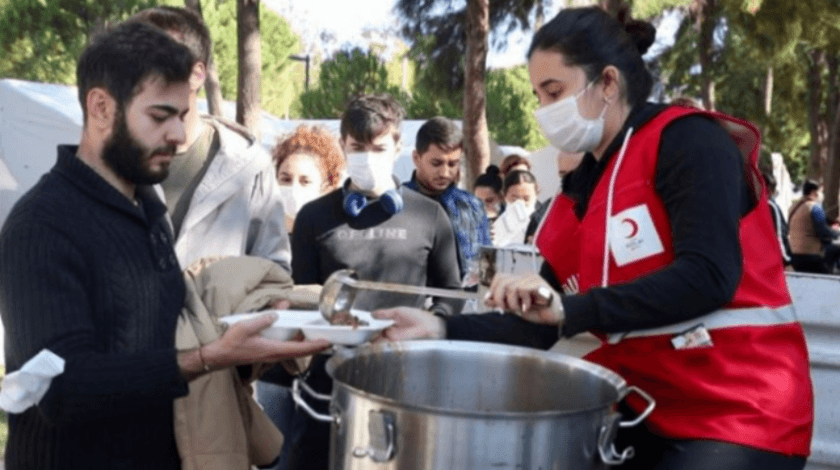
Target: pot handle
{"x":296,"y":396}
{"x":606,"y":446}
{"x":645,"y":413}
{"x":382,"y":442}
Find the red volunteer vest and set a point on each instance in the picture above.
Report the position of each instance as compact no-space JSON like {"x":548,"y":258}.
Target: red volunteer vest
{"x":753,"y":386}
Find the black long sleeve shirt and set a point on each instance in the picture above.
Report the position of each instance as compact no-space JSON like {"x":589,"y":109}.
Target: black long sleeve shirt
{"x":701,"y":179}
{"x":94,"y":279}
{"x":415,"y":246}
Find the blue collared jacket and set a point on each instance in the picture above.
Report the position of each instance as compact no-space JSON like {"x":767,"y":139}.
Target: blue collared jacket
{"x":469,"y":221}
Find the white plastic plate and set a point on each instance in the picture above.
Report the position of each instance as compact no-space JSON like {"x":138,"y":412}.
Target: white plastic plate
{"x":344,"y":334}
{"x":287,"y":325}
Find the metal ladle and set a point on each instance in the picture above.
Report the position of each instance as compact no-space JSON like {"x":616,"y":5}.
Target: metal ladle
{"x":341,"y":287}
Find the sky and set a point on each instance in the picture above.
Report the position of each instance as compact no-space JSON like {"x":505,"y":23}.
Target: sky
{"x":345,"y":21}
{"x":346,"y":24}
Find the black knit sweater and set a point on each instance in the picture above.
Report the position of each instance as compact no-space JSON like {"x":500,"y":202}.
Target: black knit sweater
{"x":89,"y":276}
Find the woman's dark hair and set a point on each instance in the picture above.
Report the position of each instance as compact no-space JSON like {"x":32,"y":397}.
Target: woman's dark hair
{"x":769,"y":180}
{"x":490,"y":178}
{"x":592,"y":39}
{"x":518,"y":177}
{"x":511,"y":161}
{"x":809,"y":186}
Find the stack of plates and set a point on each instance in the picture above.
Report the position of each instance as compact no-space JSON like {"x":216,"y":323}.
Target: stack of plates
{"x":313,"y":326}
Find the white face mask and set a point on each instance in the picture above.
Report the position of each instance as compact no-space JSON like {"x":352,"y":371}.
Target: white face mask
{"x":370,"y":170}
{"x":566,"y":129}
{"x":294,"y":197}
{"x":520,"y":210}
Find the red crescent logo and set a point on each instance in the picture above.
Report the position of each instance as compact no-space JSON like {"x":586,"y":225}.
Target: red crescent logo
{"x":634,"y":227}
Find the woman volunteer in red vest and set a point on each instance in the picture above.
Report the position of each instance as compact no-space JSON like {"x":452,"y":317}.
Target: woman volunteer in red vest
{"x":665,"y":228}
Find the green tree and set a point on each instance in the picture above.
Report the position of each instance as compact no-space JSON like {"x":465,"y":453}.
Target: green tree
{"x":510,"y":109}
{"x":42,"y":39}
{"x":348,"y":73}
{"x":282,"y":78}
{"x":446,"y":22}
{"x":432,"y":93}
{"x":778,"y":68}
{"x":211,"y":82}
{"x":462,"y":33}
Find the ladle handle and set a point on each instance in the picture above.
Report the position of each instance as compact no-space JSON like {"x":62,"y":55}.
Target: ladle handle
{"x":408,"y":289}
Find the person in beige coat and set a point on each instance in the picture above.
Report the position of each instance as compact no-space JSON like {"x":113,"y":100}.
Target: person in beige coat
{"x":219,"y":425}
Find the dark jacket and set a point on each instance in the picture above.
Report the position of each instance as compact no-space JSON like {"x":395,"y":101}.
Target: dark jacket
{"x":89,"y":276}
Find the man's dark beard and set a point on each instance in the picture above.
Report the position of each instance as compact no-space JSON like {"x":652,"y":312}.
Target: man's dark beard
{"x":126,"y":156}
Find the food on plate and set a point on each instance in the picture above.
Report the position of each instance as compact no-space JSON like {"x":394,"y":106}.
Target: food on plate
{"x":345,"y":318}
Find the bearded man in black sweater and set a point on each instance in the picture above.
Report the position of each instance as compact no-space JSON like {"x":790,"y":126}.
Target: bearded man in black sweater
{"x":87,"y":271}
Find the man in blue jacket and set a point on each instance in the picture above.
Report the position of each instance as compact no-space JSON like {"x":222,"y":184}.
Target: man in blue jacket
{"x":437,"y":159}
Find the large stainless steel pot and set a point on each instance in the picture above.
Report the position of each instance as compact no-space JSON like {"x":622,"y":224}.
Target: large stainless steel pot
{"x":465,"y":405}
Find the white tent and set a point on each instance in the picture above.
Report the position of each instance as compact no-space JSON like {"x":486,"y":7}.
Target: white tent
{"x":36,"y":117}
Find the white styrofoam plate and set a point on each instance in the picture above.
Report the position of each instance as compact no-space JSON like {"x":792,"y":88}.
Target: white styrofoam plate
{"x":286,"y":327}
{"x":344,"y":334}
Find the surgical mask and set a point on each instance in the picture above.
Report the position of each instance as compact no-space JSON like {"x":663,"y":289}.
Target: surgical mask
{"x":516,"y":214}
{"x":566,"y":129}
{"x":295,"y":196}
{"x":370,"y":170}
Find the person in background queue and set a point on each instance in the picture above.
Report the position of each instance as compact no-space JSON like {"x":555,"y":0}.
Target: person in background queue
{"x":377,"y":227}
{"x":779,"y":223}
{"x":520,"y":190}
{"x":488,"y":188}
{"x":566,"y":163}
{"x":514,"y":162}
{"x":437,"y":159}
{"x":88,"y":271}
{"x":811,"y":238}
{"x":221,"y":193}
{"x":674,"y":277}
{"x":309,"y":164}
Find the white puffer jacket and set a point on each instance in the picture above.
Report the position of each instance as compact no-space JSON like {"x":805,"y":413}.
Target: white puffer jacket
{"x":236,"y":209}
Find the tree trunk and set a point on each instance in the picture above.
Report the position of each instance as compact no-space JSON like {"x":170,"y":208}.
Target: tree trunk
{"x":817,"y":123}
{"x":476,"y":136}
{"x":832,"y":166}
{"x":767,"y":91}
{"x":213,"y":89}
{"x":250,"y":63}
{"x":832,"y":170}
{"x":211,"y":82}
{"x":707,"y":21}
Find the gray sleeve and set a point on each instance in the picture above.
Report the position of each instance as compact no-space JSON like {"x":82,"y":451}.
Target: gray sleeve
{"x":267,"y":236}
{"x":825,"y":233}
{"x":442,"y":270}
